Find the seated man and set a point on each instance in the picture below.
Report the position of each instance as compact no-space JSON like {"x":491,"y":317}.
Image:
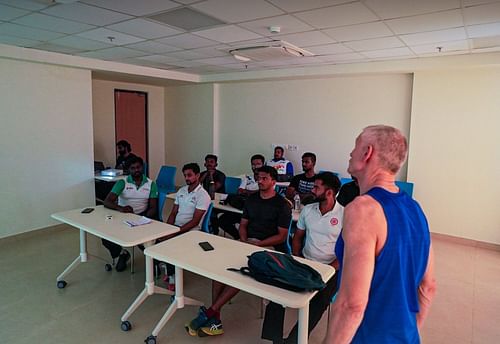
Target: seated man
{"x":265,"y":220}
{"x":190,"y":205}
{"x":137,"y":194}
{"x":303,"y":183}
{"x":282,"y":166}
{"x":227,"y":222}
{"x":320,"y":224}
{"x":212,"y":174}
{"x":125,"y":155}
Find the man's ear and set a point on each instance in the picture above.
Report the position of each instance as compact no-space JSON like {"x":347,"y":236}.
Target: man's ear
{"x":368,"y":154}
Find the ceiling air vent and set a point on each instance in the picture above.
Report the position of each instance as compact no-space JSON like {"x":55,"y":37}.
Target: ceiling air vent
{"x":273,"y":50}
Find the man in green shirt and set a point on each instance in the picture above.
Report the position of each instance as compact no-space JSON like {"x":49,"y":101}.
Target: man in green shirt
{"x":137,"y":194}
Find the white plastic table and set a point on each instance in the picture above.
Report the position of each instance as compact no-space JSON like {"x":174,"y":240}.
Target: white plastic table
{"x":108,"y":224}
{"x":185,"y":253}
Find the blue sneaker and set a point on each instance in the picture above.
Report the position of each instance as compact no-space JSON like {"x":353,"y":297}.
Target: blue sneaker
{"x":193,"y":326}
{"x":212,"y":328}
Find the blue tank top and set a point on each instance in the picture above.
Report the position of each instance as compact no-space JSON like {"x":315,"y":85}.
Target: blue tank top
{"x":390,"y":316}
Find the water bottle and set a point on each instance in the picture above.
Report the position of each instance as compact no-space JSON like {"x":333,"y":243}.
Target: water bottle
{"x":296,"y":202}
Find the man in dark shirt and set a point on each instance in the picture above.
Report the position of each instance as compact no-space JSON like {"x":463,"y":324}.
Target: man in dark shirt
{"x":125,"y":155}
{"x":265,"y":221}
{"x":303,"y":183}
{"x":212,"y":174}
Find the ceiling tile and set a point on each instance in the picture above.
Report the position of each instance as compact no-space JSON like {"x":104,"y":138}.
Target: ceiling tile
{"x":301,"y":5}
{"x":483,"y":30}
{"x":394,"y":52}
{"x":112,"y":53}
{"x":227,"y":34}
{"x":25,"y":4}
{"x":427,"y":22}
{"x":434,"y":36}
{"x":16,"y":30}
{"x":354,"y":13}
{"x":86,"y":14}
{"x":482,"y":14}
{"x":288,"y":24}
{"x":145,"y":63}
{"x":187,"y":64}
{"x":80,"y":43}
{"x":134,"y":7}
{"x":375,"y":44}
{"x":445,"y":47}
{"x":153,"y":47}
{"x":335,"y":48}
{"x":8,"y":13}
{"x":102,"y":34}
{"x":388,"y":9}
{"x":359,"y":31}
{"x":43,"y":21}
{"x":159,"y":59}
{"x":218,"y":60}
{"x":143,"y":28}
{"x":233,"y":11}
{"x":306,"y":39}
{"x":187,"y":41}
{"x":187,"y":55}
{"x":342,"y":57}
{"x":56,"y":48}
{"x":18,"y":41}
{"x":217,"y":51}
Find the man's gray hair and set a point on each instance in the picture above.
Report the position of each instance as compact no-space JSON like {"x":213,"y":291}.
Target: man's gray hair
{"x":389,"y":143}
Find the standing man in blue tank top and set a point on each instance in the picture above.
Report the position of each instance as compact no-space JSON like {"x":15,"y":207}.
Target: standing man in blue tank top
{"x":386,"y":277}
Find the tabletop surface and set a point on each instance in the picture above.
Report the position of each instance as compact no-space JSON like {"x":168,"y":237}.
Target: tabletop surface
{"x":184,"y":251}
{"x":114,"y":229}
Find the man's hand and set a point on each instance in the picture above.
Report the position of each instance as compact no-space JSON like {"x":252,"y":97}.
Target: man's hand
{"x":253,"y":241}
{"x":126,"y":209}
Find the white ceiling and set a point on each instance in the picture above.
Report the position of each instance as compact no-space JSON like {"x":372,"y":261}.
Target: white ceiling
{"x":336,"y":31}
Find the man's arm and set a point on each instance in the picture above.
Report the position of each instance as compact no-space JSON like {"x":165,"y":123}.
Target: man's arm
{"x":111,"y":200}
{"x":219,"y":180}
{"x":290,"y":192}
{"x":152,"y":208}
{"x":363,"y":222}
{"x":173,"y":214}
{"x":426,"y":290}
{"x":195,"y":221}
{"x":298,"y":238}
{"x":275,"y":239}
{"x":243,"y":230}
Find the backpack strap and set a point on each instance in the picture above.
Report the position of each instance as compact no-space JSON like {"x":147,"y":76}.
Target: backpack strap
{"x":244,"y":270}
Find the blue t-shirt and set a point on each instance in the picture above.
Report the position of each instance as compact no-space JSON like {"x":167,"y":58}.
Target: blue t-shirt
{"x":390,"y":316}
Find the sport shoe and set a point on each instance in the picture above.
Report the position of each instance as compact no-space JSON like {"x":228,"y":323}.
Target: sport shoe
{"x":212,"y":328}
{"x":170,"y":281}
{"x":193,"y":326}
{"x":122,"y":261}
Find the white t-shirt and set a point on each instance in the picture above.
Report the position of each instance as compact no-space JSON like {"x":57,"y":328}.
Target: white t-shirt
{"x":322,"y":231}
{"x":248,"y":183}
{"x":188,"y":202}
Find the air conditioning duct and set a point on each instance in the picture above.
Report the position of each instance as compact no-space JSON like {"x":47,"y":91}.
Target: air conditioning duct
{"x":273,"y":50}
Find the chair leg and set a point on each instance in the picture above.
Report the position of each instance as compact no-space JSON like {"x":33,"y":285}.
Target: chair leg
{"x":132,"y":261}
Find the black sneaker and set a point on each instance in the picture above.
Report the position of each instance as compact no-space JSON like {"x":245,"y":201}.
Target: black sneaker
{"x":123,"y":258}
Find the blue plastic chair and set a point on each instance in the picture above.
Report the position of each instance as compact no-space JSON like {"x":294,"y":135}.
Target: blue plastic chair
{"x":345,"y":181}
{"x":232,"y":185}
{"x":161,"y":204}
{"x":205,"y":223}
{"x":166,"y":179}
{"x":405,"y":187}
{"x":289,"y":237}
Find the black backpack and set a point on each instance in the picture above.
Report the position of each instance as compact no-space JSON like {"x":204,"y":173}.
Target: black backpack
{"x":282,"y":270}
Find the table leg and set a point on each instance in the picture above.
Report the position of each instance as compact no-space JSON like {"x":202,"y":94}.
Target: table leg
{"x":82,"y":258}
{"x":303,"y":324}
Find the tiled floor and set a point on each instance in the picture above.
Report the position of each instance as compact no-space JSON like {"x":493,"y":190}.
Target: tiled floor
{"x":33,"y":310}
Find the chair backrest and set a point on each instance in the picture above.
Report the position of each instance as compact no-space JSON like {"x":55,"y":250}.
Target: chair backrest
{"x":232,"y":185}
{"x":289,"y":237}
{"x":345,"y":181}
{"x":162,"y":197}
{"x":166,"y":178}
{"x":98,"y":166}
{"x":206,"y":219}
{"x":405,"y":187}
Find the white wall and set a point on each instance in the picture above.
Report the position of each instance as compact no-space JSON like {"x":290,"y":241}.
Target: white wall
{"x":454,"y":159}
{"x":319,"y":115}
{"x":45,"y":143}
{"x":103,"y":106}
{"x":189,"y":125}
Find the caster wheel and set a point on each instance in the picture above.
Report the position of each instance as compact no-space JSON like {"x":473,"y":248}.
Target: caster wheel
{"x":108,"y":267}
{"x":126,"y":326}
{"x":150,"y":340}
{"x":61,"y":284}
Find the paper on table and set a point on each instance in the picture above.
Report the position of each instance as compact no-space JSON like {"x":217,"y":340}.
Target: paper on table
{"x":142,"y":221}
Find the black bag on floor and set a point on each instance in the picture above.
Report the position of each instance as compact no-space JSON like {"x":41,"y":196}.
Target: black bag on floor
{"x":282,"y":270}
